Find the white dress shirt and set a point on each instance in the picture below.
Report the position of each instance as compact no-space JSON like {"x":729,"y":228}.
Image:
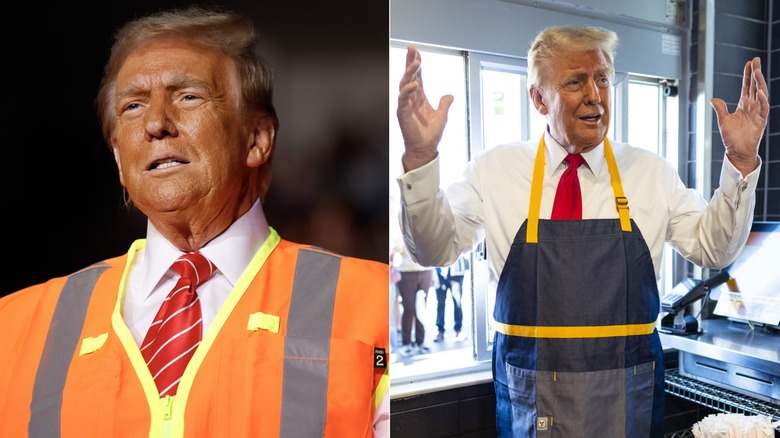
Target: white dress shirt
{"x":151,"y":278}
{"x":490,"y":202}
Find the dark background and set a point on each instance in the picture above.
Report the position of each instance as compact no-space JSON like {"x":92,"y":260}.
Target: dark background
{"x":62,"y":202}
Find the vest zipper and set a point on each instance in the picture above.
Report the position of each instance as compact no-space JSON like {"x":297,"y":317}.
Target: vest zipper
{"x":167,"y":407}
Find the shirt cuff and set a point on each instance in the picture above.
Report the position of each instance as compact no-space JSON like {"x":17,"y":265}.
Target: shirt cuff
{"x":420,"y":184}
{"x":733,"y":185}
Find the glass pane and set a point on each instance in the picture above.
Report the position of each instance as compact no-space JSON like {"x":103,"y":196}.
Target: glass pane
{"x":501,"y":108}
{"x":443,"y":73}
{"x":644,"y":116}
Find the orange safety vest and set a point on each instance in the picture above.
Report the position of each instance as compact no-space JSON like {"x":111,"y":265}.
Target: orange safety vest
{"x":298,"y":349}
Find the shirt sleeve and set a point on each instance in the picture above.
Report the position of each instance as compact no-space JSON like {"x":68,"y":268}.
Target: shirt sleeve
{"x":438,"y":227}
{"x":712,"y":234}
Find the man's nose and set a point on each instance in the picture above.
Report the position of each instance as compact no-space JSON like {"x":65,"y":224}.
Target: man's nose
{"x":157,"y":120}
{"x":591,"y":92}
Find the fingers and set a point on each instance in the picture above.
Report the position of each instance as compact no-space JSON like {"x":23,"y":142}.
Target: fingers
{"x":413,"y":62}
{"x":409,"y":84}
{"x":720,"y":108}
{"x":445,"y":102}
{"x":747,"y":79}
{"x":757,"y":77}
{"x":755,"y":83}
{"x":761,"y":92}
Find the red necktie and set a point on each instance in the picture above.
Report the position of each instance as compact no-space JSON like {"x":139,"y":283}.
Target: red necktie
{"x":568,"y":199}
{"x":177,"y":329}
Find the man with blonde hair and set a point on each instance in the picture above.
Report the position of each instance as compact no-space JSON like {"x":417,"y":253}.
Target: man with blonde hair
{"x":574,"y":226}
{"x":213,"y":325}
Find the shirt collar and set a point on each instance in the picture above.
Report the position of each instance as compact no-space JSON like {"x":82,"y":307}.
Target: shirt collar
{"x":231,"y":251}
{"x":556,"y":153}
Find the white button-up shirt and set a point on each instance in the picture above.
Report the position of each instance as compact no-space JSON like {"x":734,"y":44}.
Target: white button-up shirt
{"x":490,"y":202}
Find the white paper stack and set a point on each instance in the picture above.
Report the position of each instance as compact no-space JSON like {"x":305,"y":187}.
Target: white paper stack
{"x":734,"y":426}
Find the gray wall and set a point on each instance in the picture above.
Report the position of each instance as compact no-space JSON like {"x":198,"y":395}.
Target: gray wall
{"x":743,"y":30}
{"x":507,"y":28}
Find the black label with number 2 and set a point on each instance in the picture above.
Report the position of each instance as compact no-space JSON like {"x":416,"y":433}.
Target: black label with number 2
{"x":380,"y":358}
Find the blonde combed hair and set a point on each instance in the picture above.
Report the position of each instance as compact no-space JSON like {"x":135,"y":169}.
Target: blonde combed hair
{"x":557,"y":40}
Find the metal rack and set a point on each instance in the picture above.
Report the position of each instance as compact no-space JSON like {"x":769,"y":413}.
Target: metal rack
{"x":719,"y":399}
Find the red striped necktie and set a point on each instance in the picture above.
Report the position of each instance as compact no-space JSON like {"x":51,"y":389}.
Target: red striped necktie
{"x":177,"y":328}
{"x":568,"y":199}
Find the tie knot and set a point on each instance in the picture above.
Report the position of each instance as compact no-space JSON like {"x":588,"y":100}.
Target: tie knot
{"x":574,"y":160}
{"x":194,"y":266}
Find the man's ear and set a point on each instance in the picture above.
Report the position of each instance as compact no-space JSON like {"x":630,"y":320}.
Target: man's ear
{"x":262,"y":142}
{"x":115,"y":150}
{"x":538,"y":99}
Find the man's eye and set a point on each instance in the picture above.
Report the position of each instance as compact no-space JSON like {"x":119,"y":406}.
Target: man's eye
{"x":131,"y":106}
{"x":190,"y":97}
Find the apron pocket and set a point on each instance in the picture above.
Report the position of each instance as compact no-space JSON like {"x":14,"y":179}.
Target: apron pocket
{"x":522,"y":395}
{"x":606,"y":403}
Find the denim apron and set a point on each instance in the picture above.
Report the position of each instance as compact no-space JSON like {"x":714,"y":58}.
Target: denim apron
{"x":576,"y":353}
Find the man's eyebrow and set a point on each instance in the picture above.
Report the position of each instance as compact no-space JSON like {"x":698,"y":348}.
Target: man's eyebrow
{"x":177,"y":82}
{"x":128,"y":91}
{"x":574,"y":74}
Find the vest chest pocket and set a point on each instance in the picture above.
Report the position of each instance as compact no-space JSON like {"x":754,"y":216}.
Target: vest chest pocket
{"x":92,"y":390}
{"x":605,"y":403}
{"x":292,"y":386}
{"x":351,"y":387}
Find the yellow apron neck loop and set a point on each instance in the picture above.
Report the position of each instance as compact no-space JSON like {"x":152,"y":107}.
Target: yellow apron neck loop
{"x":621,"y":203}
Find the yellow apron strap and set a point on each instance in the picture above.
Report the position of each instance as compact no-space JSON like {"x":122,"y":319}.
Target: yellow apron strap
{"x":532,"y":229}
{"x":621,"y":203}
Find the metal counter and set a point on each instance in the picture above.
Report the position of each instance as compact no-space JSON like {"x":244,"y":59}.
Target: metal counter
{"x":728,"y":367}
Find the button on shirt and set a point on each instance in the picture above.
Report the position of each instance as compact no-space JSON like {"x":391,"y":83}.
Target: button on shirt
{"x":491,"y":201}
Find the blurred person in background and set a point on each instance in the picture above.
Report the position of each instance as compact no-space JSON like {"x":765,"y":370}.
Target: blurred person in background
{"x":450,"y":280}
{"x":413,"y":285}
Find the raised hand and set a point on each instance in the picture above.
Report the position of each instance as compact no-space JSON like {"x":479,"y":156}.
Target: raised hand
{"x":421,"y":124}
{"x":742,"y":130}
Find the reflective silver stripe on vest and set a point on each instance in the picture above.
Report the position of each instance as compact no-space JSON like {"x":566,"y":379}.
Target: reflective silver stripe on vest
{"x":307,"y":344}
{"x":61,"y":342}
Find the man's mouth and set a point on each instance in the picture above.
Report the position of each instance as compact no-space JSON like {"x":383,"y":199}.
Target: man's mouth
{"x":592,"y":118}
{"x":164,"y":164}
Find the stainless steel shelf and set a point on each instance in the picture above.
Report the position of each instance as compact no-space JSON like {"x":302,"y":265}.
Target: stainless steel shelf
{"x":719,"y":399}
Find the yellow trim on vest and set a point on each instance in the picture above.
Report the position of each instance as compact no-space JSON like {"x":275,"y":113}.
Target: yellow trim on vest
{"x":621,"y":203}
{"x":133,"y":352}
{"x":167,"y":415}
{"x":183,"y":391}
{"x":91,"y":345}
{"x":572,"y":332}
{"x":381,"y":388}
{"x":263,"y":321}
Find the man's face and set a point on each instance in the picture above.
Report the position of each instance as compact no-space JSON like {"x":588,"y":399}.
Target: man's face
{"x":574,"y":95}
{"x":181,"y":141}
